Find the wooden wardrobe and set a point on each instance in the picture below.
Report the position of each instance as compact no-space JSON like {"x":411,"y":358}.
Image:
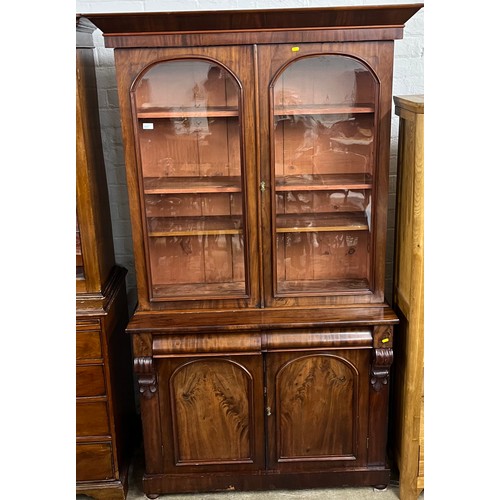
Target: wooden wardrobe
{"x":105,"y":410}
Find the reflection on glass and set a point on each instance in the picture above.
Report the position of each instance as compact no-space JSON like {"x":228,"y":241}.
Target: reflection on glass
{"x":324,"y":109}
{"x":190,"y":149}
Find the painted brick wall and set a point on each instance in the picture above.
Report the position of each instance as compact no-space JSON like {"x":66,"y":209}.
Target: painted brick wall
{"x":408,"y":79}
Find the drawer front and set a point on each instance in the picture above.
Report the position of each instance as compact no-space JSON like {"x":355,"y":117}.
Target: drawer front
{"x":90,"y":381}
{"x":88,"y":344}
{"x":92,"y":419}
{"x":94,"y":462}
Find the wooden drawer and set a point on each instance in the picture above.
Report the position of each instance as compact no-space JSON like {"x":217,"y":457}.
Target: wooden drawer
{"x":87,"y":323}
{"x":94,"y":461}
{"x":88,"y":344}
{"x":92,"y":419}
{"x":90,"y":381}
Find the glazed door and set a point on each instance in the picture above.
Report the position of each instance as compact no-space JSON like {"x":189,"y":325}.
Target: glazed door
{"x":321,"y":107}
{"x":196,"y":170}
{"x":212,"y":410}
{"x":317,"y":409}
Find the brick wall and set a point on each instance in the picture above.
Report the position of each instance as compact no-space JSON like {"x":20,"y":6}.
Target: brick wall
{"x":408,"y":79}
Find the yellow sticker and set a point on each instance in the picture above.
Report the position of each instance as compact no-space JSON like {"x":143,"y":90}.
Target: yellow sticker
{"x":384,"y":341}
{"x":295,"y":49}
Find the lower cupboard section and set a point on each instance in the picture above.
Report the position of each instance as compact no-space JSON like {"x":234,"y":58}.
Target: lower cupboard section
{"x":287,"y":419}
{"x":283,"y":408}
{"x":322,"y":262}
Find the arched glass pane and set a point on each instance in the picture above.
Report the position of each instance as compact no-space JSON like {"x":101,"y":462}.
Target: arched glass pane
{"x":188,"y":123}
{"x":324,"y":127}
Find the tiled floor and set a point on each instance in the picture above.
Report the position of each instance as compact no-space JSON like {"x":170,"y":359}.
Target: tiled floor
{"x":358,"y":493}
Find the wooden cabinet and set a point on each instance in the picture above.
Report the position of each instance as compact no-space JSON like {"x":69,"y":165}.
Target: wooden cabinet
{"x":257,"y":149}
{"x":408,"y":298}
{"x":104,"y":389}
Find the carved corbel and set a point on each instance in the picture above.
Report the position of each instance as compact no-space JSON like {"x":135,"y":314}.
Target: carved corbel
{"x":146,"y":377}
{"x":381,"y":364}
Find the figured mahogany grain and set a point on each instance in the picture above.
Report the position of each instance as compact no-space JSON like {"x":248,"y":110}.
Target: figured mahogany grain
{"x":212,"y":409}
{"x":321,"y":390}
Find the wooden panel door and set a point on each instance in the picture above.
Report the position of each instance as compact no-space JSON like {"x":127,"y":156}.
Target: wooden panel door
{"x":212,"y":408}
{"x":317,"y":408}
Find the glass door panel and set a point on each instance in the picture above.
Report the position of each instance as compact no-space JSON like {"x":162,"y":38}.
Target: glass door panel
{"x":188,"y":119}
{"x":324,"y":128}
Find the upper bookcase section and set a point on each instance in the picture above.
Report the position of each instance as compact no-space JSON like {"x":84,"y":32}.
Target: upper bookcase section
{"x":171,"y":29}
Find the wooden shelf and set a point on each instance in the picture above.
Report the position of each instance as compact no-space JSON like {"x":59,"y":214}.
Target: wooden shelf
{"x":319,"y":286}
{"x":191,"y":185}
{"x":190,"y":290}
{"x":194,"y":226}
{"x":201,"y":112}
{"x":323,"y":182}
{"x":314,"y":223}
{"x":323,"y":109}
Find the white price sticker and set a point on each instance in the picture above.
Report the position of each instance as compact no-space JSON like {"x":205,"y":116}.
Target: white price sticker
{"x":148,"y":126}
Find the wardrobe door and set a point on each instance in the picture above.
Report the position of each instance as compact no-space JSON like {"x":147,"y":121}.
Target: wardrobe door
{"x":316,"y":409}
{"x":212,"y":411}
{"x":189,"y":135}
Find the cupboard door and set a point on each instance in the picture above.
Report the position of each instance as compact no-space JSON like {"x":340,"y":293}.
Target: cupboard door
{"x":196,"y":175}
{"x":190,"y":151}
{"x":322,"y":108}
{"x":212,"y":408}
{"x":316,"y":408}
